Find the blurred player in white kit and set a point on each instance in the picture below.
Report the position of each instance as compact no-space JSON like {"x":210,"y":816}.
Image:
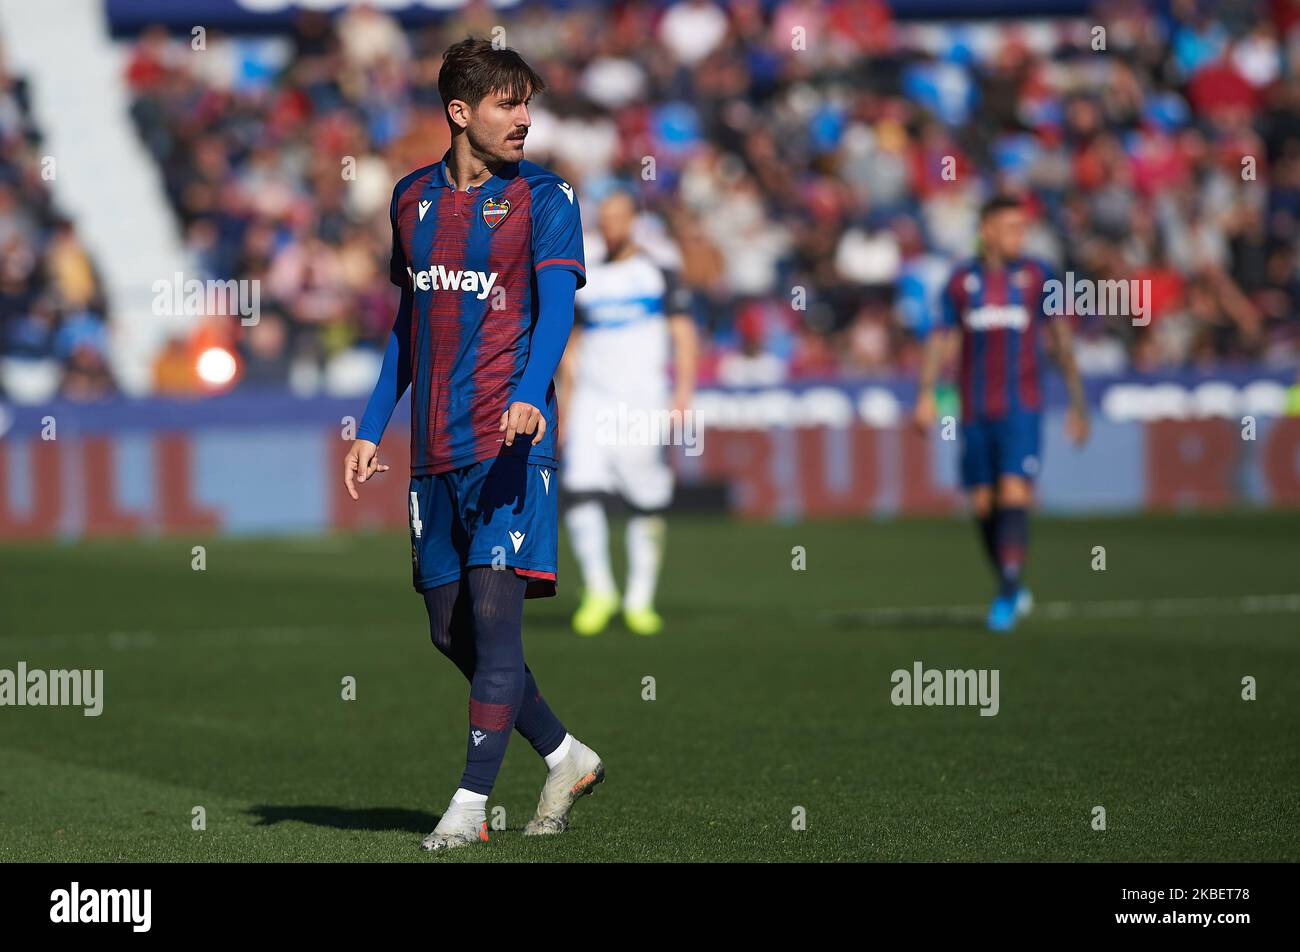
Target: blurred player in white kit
{"x":617,"y":398}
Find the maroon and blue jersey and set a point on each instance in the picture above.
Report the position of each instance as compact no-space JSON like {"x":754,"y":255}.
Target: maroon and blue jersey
{"x":1000,"y":314}
{"x":470,"y":260}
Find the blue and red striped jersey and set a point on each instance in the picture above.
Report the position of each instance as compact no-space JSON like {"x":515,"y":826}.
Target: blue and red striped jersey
{"x":1000,"y":314}
{"x":471,"y":260}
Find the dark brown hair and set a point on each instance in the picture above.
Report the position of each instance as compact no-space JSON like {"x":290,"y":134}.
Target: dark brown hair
{"x":473,"y":68}
{"x":1000,"y":203}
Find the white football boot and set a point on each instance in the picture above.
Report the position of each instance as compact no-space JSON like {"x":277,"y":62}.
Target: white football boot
{"x":462,"y":824}
{"x":568,"y":781}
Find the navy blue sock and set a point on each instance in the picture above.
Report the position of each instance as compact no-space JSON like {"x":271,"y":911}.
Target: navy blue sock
{"x":536,"y":721}
{"x":497,"y":687}
{"x":451,"y":628}
{"x":1012,"y":539}
{"x":451,"y":624}
{"x":988,"y":535}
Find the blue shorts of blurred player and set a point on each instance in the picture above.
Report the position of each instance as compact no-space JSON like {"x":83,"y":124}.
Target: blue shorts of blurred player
{"x":1004,"y":447}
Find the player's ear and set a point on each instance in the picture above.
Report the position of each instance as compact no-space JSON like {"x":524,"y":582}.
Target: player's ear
{"x":458,"y":114}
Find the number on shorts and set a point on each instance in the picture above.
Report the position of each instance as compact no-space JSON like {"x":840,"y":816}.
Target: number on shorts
{"x":416,"y":524}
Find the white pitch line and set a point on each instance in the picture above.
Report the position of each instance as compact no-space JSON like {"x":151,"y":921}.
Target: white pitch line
{"x":151,"y":638}
{"x":1118,"y":608}
{"x":1115,"y":608}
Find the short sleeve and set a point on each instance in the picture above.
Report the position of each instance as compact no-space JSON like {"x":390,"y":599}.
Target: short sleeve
{"x":948,"y":313}
{"x":557,"y":229}
{"x":677,"y":297}
{"x":1049,"y":305}
{"x":397,"y":267}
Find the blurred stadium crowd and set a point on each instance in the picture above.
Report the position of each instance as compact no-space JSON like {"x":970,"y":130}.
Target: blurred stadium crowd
{"x":777,"y":146}
{"x":52,"y":310}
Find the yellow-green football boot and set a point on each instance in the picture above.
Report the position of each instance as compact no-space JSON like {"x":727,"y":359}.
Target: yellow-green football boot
{"x":642,"y":621}
{"x":594,"y":614}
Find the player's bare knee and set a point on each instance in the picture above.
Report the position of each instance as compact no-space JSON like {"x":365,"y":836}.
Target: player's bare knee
{"x":1014,"y":491}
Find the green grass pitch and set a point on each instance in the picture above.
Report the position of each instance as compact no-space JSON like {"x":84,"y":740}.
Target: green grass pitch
{"x":772,"y":693}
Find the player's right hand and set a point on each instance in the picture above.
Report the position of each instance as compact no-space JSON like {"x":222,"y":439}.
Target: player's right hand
{"x":362,"y":462}
{"x":1076,"y":425}
{"x":924,"y":415}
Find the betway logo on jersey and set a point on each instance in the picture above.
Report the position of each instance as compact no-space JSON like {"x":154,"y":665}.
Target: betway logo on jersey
{"x":438,"y":278}
{"x":990,"y":317}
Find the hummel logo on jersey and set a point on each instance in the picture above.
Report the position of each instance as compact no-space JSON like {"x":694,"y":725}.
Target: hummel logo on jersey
{"x":517,"y":538}
{"x":567,"y":189}
{"x":438,"y":278}
{"x":478,"y":737}
{"x":424,"y":207}
{"x":546,"y":480}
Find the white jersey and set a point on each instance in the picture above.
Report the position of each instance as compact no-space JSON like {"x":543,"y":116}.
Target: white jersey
{"x":624,"y":349}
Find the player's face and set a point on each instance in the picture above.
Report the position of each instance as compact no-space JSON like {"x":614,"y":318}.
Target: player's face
{"x":1003,"y":232}
{"x":498,"y":125}
{"x":615,"y":220}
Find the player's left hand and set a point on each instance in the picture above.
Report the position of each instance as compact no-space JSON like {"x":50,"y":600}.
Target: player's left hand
{"x":1077,"y":425}
{"x":522,"y":418}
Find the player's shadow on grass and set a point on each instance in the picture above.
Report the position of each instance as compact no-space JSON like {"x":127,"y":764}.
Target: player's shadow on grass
{"x":347,"y":818}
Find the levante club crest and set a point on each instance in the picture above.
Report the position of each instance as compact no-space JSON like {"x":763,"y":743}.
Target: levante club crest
{"x":495,"y":212}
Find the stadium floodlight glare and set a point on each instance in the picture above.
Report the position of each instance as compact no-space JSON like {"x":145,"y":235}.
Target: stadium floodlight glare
{"x":216,"y":367}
